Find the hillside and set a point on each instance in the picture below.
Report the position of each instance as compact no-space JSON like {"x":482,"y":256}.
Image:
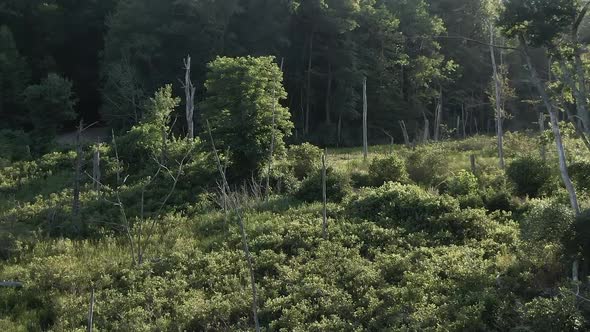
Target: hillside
{"x":438,"y":248}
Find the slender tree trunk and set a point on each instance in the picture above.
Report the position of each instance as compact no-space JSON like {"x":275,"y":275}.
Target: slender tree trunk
{"x":324,"y":197}
{"x":96,"y":174}
{"x":498,"y":90}
{"x":91,"y":312}
{"x":328,"y":94}
{"x":308,"y":87}
{"x":78,"y":173}
{"x":438,"y":116}
{"x":405,"y":133}
{"x":189,"y":91}
{"x":339,"y":133}
{"x":365,"y":122}
{"x":272,"y":139}
{"x":554,"y":126}
{"x":541,"y":131}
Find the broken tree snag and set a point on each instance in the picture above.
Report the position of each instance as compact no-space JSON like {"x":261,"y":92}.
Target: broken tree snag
{"x":438,"y":116}
{"x":473,"y":164}
{"x":272,"y":138}
{"x":91,"y":311}
{"x":189,"y":91}
{"x":96,"y":174}
{"x":77,"y":172}
{"x":498,"y":97}
{"x":365,"y":125}
{"x":324,"y":197}
{"x":405,"y":133}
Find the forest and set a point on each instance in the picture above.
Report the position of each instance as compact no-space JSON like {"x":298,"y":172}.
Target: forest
{"x":294,"y":165}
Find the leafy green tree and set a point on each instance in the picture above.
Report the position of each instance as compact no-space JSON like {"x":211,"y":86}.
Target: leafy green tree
{"x":14,"y":77}
{"x":50,"y":104}
{"x":243,"y":96}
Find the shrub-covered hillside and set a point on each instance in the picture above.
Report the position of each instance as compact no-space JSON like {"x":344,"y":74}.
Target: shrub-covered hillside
{"x":415,"y":241}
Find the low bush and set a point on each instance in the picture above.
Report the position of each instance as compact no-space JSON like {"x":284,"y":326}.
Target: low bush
{"x":391,"y":168}
{"x":338,"y":185}
{"x":580,"y":174}
{"x":530,"y":175}
{"x":461,"y":184}
{"x":304,"y":159}
{"x":395,"y":204}
{"x":547,"y":221}
{"x":428,"y":166}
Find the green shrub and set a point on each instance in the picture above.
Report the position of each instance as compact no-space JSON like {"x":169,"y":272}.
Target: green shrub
{"x":553,"y":314}
{"x":530,"y":175}
{"x":391,"y":168}
{"x":304,"y":159}
{"x":337,"y":186}
{"x":462,"y":183}
{"x":498,"y":200}
{"x":580,"y":174}
{"x":428,"y":165}
{"x":547,"y":221}
{"x":399,"y":204}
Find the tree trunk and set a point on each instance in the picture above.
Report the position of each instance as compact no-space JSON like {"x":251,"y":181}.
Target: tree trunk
{"x":541,"y":131}
{"x":498,"y":90}
{"x":405,"y":133}
{"x":96,"y":174}
{"x":438,"y":116}
{"x":324,"y":197}
{"x":328,"y":95}
{"x":78,"y":173}
{"x":91,"y":312}
{"x":365,"y":122}
{"x":272,"y":139}
{"x":555,"y":127}
{"x":189,"y":91}
{"x":308,"y":87}
{"x":339,"y":130}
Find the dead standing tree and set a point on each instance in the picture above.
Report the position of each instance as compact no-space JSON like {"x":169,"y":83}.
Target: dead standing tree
{"x":234,"y":203}
{"x":365,"y":124}
{"x":272,"y":139}
{"x":189,"y":91}
{"x":324,"y":197}
{"x":498,"y":99}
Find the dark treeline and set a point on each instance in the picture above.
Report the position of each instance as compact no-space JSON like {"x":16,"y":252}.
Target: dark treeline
{"x":417,"y":55}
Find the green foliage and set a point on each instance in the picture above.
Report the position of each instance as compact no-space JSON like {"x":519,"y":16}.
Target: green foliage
{"x":530,"y":175}
{"x":547,"y":222}
{"x":391,"y":168}
{"x":428,"y":166}
{"x":462,"y":183}
{"x":50,"y":104}
{"x":580,"y":173}
{"x":554,"y":314}
{"x":337,"y":186}
{"x":305,"y":159}
{"x":14,"y":77}
{"x":243,"y":97}
{"x":14,"y":146}
{"x":397,"y":204}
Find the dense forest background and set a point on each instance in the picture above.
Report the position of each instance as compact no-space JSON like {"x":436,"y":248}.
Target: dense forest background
{"x":416,"y":55}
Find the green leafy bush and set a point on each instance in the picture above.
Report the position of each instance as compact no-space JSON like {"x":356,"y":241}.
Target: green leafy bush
{"x":428,"y":166}
{"x":337,"y":186}
{"x":399,"y":204}
{"x":558,"y":313}
{"x":390,"y":168}
{"x":580,"y":174}
{"x":530,"y":175}
{"x":461,"y":184}
{"x":305,"y":159}
{"x":547,"y":221}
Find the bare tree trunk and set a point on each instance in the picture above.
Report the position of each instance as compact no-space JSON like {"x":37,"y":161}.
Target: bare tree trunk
{"x":426,"y":132}
{"x":96,"y":174}
{"x":464,"y":118}
{"x":339,"y":130}
{"x":438,"y":116}
{"x":91,"y":312}
{"x":328,"y":94}
{"x":189,"y":92}
{"x":234,"y":200}
{"x":498,"y":90}
{"x":78,"y":173}
{"x":365,"y":122}
{"x":542,"y":130}
{"x":324,"y":197}
{"x":473,"y":163}
{"x":554,"y":126}
{"x":405,"y":133}
{"x":308,"y":88}
{"x":272,"y":139}
{"x":11,"y":284}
